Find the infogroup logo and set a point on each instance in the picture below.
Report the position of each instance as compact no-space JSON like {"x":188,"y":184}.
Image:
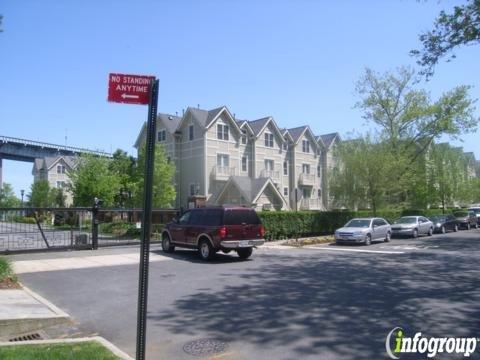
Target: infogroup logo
{"x":397,"y":343}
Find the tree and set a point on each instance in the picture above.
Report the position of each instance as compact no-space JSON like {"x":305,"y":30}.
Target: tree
{"x":92,"y":178}
{"x":365,"y":175}
{"x":409,"y":121}
{"x":7,"y":197}
{"x":462,"y":27}
{"x":163,"y":179}
{"x":124,"y":168}
{"x":41,"y":195}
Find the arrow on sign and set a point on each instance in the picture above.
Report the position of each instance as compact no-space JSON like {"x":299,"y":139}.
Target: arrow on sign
{"x":126,"y":96}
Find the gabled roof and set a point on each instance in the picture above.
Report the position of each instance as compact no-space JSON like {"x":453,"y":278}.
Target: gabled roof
{"x":244,"y":124}
{"x":206,"y":117}
{"x":328,"y":139}
{"x":171,"y":122}
{"x":259,"y":125}
{"x":286,"y":133}
{"x":298,"y":132}
{"x":48,"y":162}
{"x":251,"y":189}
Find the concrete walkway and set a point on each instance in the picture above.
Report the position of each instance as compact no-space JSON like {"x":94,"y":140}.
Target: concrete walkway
{"x":40,"y":265}
{"x":23,"y":311}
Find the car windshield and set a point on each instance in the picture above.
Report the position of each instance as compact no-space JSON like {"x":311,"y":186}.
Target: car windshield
{"x":360,"y":223}
{"x":476,"y":211}
{"x":461,"y":214}
{"x":438,"y":218}
{"x":406,"y":220}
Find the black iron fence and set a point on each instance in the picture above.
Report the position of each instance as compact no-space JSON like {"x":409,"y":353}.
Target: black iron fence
{"x":42,"y":229}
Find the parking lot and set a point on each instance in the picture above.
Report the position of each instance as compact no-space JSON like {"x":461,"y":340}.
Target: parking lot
{"x":320,"y":302}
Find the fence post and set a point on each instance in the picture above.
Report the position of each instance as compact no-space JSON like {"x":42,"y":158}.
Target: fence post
{"x":96,"y":204}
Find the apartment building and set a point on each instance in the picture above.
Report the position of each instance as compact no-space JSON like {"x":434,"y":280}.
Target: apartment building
{"x":223,"y":160}
{"x":55,"y":171}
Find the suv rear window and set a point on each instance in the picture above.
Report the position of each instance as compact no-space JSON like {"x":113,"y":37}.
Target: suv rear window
{"x":213,"y":217}
{"x":239,"y":217}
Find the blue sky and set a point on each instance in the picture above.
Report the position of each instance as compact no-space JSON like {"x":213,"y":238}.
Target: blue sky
{"x":297,"y":61}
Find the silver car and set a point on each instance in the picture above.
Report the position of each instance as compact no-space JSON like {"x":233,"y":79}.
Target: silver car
{"x":412,"y":226}
{"x":364,"y":230}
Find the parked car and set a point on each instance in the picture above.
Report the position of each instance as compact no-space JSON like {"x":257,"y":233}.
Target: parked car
{"x":364,"y":230}
{"x":412,"y":226}
{"x":443,"y":223}
{"x":466,"y":219}
{"x":476,"y":210}
{"x":217,"y":228}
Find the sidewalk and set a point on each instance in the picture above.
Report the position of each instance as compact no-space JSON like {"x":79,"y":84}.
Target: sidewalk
{"x":23,"y":311}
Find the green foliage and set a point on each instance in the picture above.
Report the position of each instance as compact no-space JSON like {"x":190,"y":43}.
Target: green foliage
{"x":89,"y":350}
{"x":24,"y":220}
{"x":92,"y":178}
{"x":7,"y":197}
{"x":290,"y":224}
{"x":123,"y":167}
{"x":6,"y":270}
{"x":42,"y":195}
{"x":163,"y":179}
{"x":450,"y":31}
{"x":367,"y":174}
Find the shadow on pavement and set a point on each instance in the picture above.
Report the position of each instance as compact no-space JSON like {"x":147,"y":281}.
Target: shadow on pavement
{"x":341,"y":308}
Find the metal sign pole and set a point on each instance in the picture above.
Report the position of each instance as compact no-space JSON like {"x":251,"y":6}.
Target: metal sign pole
{"x":146,"y":222}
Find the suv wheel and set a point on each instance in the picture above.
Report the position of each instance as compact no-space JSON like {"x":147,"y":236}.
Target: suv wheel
{"x":167,"y":245}
{"x":206,"y":250}
{"x":368,"y":240}
{"x":430,"y":232}
{"x":415,"y":233}
{"x":244,"y":253}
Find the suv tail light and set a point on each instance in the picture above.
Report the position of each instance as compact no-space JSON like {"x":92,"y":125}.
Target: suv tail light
{"x":222,"y":232}
{"x":262,"y":231}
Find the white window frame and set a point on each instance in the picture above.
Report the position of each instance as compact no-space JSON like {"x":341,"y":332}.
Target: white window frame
{"x":285,"y":191}
{"x":61,"y":169}
{"x":244,"y":163}
{"x":319,"y":171}
{"x":244,"y":137}
{"x":285,"y":146}
{"x":269,"y":161}
{"x":223,"y":132}
{"x":285,"y":168}
{"x":305,"y":146}
{"x":193,"y":186}
{"x":223,"y":156}
{"x":306,"y":167}
{"x":191,"y":134}
{"x":269,"y":142}
{"x":163,"y":137}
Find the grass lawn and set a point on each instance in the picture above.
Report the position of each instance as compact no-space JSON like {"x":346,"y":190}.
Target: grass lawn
{"x":89,"y":350}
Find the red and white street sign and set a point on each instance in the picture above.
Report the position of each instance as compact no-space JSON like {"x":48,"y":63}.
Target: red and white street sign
{"x":129,"y":89}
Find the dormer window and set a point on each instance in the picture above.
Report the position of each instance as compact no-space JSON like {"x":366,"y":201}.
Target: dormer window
{"x":244,"y":137}
{"x":269,"y":139}
{"x":305,"y":146}
{"x":285,"y":146}
{"x":162,"y":135}
{"x":222,"y":132}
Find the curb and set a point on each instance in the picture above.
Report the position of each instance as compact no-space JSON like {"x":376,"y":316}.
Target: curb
{"x":116,"y":351}
{"x":12,"y":327}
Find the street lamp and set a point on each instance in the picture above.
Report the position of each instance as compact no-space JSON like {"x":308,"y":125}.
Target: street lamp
{"x":22,"y":192}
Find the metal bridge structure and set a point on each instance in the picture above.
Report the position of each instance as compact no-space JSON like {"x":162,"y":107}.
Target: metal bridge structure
{"x":28,"y":150}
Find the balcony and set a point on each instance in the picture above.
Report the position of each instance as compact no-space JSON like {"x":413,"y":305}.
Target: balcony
{"x":311,"y":204}
{"x":223,"y":172}
{"x":306,"y":179}
{"x":273,"y":174}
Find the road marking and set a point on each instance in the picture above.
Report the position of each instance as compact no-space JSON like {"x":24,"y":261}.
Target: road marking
{"x":29,"y":266}
{"x":355,"y":250}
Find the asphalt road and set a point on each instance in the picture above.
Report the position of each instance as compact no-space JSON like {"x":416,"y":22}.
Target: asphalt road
{"x":326,"y":302}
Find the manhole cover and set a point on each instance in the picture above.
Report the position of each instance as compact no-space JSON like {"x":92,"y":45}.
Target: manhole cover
{"x":205,"y":347}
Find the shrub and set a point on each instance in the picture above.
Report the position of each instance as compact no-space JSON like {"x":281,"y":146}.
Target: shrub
{"x":5,"y":269}
{"x":289,"y":224}
{"x":24,"y":220}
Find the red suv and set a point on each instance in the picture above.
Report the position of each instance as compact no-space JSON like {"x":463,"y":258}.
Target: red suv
{"x":212,"y":229}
